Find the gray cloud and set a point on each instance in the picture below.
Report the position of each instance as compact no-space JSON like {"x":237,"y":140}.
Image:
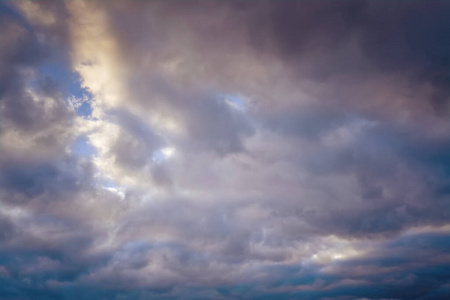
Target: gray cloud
{"x":231,"y":150}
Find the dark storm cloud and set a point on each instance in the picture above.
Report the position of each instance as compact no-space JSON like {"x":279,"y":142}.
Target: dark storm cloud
{"x":411,"y":38}
{"x":350,"y":46}
{"x":419,"y":268}
{"x":307,"y":150}
{"x":378,"y":158}
{"x":409,"y":41}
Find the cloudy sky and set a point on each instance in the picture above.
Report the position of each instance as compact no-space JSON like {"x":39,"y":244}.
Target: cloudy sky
{"x":224,"y":150}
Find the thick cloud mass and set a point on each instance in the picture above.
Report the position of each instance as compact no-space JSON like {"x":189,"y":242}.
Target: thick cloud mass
{"x":224,"y":150}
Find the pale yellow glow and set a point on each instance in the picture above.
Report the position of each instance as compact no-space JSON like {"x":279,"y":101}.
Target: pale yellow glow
{"x":335,"y":248}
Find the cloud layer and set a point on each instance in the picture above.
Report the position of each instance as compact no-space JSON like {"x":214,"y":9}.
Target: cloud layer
{"x":224,"y":150}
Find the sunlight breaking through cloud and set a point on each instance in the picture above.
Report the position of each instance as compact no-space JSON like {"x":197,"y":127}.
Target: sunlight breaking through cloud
{"x":224,"y":150}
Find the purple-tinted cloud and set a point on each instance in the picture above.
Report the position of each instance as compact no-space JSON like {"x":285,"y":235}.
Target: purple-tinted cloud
{"x":224,"y":150}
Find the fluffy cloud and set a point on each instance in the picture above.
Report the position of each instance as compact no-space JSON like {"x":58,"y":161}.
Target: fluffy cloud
{"x":224,"y":150}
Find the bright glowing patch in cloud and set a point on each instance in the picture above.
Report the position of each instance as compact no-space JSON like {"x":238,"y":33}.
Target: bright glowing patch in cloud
{"x":163,"y":154}
{"x":168,"y":152}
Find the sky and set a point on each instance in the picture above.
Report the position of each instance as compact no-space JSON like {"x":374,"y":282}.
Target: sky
{"x":224,"y":150}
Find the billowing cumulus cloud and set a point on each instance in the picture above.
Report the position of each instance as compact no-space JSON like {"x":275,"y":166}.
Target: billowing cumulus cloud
{"x":224,"y":150}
